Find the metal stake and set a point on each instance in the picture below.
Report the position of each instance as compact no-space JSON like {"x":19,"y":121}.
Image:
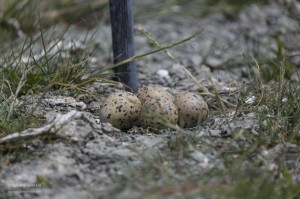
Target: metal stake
{"x":123,"y":41}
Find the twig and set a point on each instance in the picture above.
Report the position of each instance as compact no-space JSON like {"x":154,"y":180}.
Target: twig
{"x":162,"y":48}
{"x":19,"y":87}
{"x":58,"y":122}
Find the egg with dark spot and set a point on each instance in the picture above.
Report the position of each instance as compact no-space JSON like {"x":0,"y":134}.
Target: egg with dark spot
{"x":153,"y":92}
{"x":121,"y":109}
{"x":158,"y":114}
{"x":192,"y":109}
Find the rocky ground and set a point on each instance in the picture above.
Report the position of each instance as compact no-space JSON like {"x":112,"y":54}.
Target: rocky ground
{"x":89,"y":159}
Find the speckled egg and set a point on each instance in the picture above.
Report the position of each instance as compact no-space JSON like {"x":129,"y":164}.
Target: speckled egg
{"x":121,"y":109}
{"x":191,"y":109}
{"x":157,"y":113}
{"x":153,"y":92}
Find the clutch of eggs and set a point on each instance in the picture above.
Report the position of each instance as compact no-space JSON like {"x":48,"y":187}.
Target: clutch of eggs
{"x":155,"y":108}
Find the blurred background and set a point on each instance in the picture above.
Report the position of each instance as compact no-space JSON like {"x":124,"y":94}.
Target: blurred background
{"x":27,"y":14}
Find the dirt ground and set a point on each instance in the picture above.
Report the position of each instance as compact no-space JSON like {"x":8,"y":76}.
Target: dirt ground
{"x":91,"y":159}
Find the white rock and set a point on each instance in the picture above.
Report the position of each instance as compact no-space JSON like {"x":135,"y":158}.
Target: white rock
{"x":284,"y":99}
{"x":203,"y":159}
{"x":250,"y":100}
{"x":163,"y":73}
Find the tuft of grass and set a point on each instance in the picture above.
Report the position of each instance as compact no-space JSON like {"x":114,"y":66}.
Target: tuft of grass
{"x":276,"y":103}
{"x":279,"y":64}
{"x":35,"y":66}
{"x":58,"y":65}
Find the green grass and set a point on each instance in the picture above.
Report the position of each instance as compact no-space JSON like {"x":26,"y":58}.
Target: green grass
{"x":55,"y":66}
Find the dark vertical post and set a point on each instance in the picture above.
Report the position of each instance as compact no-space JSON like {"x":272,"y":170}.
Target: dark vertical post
{"x":123,"y":41}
